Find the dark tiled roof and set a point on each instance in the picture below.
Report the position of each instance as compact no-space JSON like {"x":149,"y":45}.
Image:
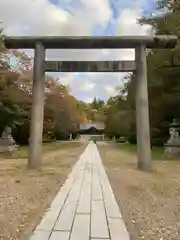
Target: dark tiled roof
{"x":86,"y":126}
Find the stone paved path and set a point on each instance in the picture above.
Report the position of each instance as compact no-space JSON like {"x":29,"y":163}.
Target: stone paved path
{"x":85,"y":207}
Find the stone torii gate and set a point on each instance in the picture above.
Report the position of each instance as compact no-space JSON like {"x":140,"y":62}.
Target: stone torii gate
{"x":139,"y":43}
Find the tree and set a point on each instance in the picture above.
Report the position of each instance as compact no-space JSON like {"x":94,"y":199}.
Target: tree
{"x":4,"y":65}
{"x":163,"y":74}
{"x":61,"y":113}
{"x":116,"y":122}
{"x":163,"y":79}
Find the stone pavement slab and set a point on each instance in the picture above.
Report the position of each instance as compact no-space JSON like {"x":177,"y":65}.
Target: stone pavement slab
{"x":99,"y":226}
{"x":65,"y":219}
{"x":84,"y":204}
{"x":59,"y":235}
{"x":85,"y":207}
{"x":81,"y":228}
{"x":117,"y":229}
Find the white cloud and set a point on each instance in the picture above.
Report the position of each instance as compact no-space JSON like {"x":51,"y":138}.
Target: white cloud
{"x":66,"y":78}
{"x":87,"y":86}
{"x":88,"y":99}
{"x":40,"y":17}
{"x":111,"y":90}
{"x":128,"y":25}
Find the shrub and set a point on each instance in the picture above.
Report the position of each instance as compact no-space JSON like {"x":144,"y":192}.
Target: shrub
{"x":157,"y":142}
{"x":132,"y":139}
{"x":121,"y":140}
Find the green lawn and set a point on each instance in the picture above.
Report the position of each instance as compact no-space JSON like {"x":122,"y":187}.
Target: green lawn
{"x":157,"y":152}
{"x":22,"y":151}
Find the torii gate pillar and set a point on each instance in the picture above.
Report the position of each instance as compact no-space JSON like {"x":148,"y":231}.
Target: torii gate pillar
{"x":37,"y":111}
{"x":142,"y":110}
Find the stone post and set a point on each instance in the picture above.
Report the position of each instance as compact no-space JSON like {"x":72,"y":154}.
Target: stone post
{"x":103,"y":137}
{"x":37,"y":112}
{"x":70,"y":137}
{"x":142,"y":110}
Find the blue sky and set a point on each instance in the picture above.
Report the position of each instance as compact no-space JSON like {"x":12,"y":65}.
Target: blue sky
{"x":78,"y":18}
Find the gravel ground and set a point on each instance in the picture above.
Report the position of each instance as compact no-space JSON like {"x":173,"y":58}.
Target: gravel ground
{"x":150,"y":202}
{"x":24,"y":196}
